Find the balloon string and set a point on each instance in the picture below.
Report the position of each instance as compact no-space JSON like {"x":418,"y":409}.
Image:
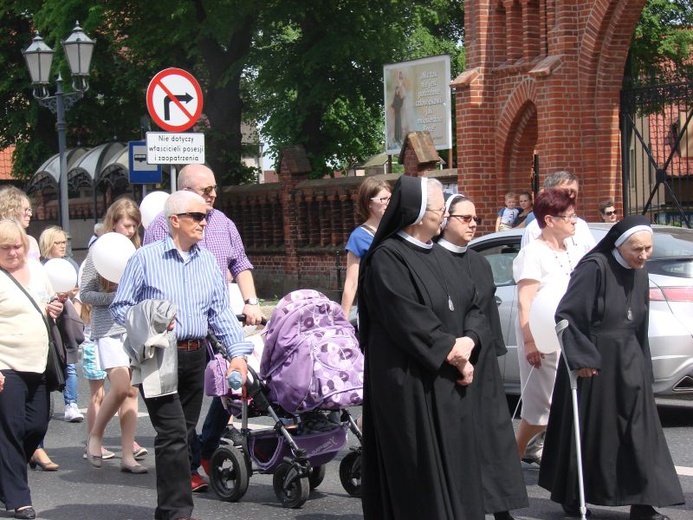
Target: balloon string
{"x":522,"y":392}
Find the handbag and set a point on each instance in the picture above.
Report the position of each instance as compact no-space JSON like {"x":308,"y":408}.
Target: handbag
{"x":215,"y":374}
{"x":56,"y":363}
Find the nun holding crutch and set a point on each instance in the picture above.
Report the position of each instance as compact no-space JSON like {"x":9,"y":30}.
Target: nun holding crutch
{"x":625,"y":457}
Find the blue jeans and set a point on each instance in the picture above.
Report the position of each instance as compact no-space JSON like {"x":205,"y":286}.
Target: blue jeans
{"x":70,"y":392}
{"x":215,"y":423}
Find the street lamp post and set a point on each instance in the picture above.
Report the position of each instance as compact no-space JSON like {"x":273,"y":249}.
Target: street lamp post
{"x":78,"y":48}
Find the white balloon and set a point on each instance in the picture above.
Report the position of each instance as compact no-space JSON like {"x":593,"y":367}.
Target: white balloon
{"x":62,"y":275}
{"x":110,"y":253}
{"x":152,"y":205}
{"x":541,"y":316}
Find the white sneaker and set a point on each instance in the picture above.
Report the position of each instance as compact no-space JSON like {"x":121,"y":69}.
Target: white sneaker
{"x":72,"y":413}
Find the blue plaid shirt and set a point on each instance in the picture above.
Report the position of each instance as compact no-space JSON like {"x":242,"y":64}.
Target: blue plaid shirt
{"x":194,"y":284}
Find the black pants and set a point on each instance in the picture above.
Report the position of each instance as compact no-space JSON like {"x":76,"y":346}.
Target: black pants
{"x":23,"y":423}
{"x":174,"y":418}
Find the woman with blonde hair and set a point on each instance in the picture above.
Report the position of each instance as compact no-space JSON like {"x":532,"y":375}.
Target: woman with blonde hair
{"x":26,"y":299}
{"x":15,"y":204}
{"x":53,"y":244}
{"x":123,"y":216}
{"x":371,"y":202}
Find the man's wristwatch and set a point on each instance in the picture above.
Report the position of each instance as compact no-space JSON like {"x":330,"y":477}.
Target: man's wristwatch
{"x":252,"y":301}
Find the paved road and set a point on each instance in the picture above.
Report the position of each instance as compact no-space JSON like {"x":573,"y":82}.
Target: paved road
{"x":79,"y":492}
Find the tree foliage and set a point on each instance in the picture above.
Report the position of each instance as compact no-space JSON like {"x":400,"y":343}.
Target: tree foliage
{"x":663,"y":38}
{"x":309,"y":72}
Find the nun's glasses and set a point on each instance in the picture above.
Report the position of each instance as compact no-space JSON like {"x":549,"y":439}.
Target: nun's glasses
{"x":467,"y":218}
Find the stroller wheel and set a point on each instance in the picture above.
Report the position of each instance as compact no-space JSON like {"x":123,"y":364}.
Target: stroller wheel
{"x":350,"y":473}
{"x":315,"y":476}
{"x":291,"y":489}
{"x":229,"y":477}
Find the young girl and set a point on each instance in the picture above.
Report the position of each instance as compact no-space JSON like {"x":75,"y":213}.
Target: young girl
{"x":122,"y":217}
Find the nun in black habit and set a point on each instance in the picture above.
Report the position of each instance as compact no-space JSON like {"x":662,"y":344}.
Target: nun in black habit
{"x":418,"y":328}
{"x":504,"y":486}
{"x":625,"y":456}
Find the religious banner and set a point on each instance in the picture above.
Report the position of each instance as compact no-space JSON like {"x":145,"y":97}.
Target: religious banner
{"x":417,"y":98}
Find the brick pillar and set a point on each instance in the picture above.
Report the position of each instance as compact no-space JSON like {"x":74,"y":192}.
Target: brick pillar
{"x":294,"y":167}
{"x":418,"y":154}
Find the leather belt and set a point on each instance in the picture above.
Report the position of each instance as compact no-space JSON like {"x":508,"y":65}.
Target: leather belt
{"x":190,"y":344}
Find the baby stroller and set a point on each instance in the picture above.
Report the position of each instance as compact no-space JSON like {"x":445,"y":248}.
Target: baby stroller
{"x":311,"y":371}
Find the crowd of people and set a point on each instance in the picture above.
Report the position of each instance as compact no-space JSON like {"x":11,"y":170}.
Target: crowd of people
{"x":438,"y":438}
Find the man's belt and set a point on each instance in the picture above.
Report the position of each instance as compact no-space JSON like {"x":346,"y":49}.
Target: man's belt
{"x":190,"y":344}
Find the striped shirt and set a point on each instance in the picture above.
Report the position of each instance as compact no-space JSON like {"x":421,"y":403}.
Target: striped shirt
{"x":194,"y":284}
{"x":221,"y":238}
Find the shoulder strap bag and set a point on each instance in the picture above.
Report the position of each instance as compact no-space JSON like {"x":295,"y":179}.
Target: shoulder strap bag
{"x":55,"y":367}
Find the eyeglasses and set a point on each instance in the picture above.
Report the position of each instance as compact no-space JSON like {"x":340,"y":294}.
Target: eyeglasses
{"x":609,"y":213}
{"x":440,"y":210}
{"x":205,"y":191}
{"x":197,"y":216}
{"x":382,"y":200}
{"x":467,"y":218}
{"x":568,"y":218}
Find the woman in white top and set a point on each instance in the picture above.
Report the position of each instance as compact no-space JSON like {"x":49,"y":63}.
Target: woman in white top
{"x":546,"y":260}
{"x":23,"y":355}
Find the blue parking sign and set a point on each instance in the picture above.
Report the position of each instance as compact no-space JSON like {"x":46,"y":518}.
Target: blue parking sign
{"x":141,"y":172}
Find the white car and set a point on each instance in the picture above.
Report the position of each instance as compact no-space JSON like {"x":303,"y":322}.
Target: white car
{"x":671,"y":303}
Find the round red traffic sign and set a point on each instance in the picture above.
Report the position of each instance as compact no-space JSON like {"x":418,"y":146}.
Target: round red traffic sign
{"x":174,"y":99}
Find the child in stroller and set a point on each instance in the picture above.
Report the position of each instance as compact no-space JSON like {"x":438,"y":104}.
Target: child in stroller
{"x":311,"y":371}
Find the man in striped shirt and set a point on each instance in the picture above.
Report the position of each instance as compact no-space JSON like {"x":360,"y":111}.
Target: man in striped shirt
{"x":222,"y":239}
{"x":177,"y":269}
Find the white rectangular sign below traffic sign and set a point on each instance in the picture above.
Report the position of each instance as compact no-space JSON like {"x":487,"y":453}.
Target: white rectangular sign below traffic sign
{"x":172,"y":148}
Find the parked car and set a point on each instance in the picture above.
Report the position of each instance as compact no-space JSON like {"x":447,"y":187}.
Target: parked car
{"x":671,"y":303}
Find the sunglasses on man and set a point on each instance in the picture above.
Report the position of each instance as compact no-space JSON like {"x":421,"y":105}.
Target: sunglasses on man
{"x":197,"y":216}
{"x":206,"y":191}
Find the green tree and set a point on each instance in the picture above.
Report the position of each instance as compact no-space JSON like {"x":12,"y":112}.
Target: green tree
{"x":318,"y":70}
{"x":662,"y":38}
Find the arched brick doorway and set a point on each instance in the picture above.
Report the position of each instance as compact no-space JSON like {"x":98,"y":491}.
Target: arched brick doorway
{"x":542,"y":76}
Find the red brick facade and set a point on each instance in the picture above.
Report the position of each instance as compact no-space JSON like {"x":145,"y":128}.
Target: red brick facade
{"x":542,"y":76}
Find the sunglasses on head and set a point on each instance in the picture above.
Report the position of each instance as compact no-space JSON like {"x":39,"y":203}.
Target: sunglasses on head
{"x":466,"y":218}
{"x":197,"y":216}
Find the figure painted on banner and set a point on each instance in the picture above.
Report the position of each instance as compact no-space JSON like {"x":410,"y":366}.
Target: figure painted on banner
{"x":371,"y":202}
{"x":626,"y":460}
{"x":504,"y":486}
{"x":398,"y":111}
{"x":418,"y":328}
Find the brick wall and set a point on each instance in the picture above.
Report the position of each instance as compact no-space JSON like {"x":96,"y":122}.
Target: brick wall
{"x":542,"y":76}
{"x":295,"y":230}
